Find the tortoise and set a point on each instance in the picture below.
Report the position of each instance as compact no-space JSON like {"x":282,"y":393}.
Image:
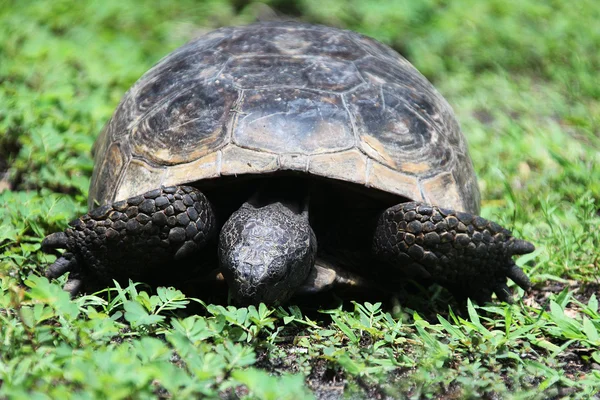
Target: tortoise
{"x":286,"y":158}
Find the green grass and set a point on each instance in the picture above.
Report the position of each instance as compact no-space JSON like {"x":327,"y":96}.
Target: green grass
{"x":522,"y":78}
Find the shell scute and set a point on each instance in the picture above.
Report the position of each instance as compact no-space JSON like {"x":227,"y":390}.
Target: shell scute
{"x":191,"y":125}
{"x":378,"y":71}
{"x":294,"y":39}
{"x":181,"y":72}
{"x":171,"y":76}
{"x":394,"y":133}
{"x":301,"y":72}
{"x":107,"y":170}
{"x":293,"y":121}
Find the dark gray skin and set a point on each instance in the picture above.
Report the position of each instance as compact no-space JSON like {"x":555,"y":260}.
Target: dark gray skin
{"x":267,"y":251}
{"x":133,"y":239}
{"x":467,"y":254}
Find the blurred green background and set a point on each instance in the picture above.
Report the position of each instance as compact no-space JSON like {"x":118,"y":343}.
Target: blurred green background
{"x":521,"y":75}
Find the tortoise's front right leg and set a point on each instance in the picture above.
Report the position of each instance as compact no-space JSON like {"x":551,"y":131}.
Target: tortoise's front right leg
{"x":132,"y":239}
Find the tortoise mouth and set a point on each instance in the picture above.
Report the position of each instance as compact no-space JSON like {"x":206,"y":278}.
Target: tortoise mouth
{"x":244,"y":295}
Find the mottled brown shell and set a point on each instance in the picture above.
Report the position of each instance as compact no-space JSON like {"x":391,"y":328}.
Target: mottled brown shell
{"x":285,"y":96}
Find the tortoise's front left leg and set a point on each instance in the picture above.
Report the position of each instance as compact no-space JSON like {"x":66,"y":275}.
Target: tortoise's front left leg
{"x":467,"y":254}
{"x":136,"y":238}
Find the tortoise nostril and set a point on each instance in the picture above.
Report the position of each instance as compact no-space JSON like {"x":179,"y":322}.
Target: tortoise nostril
{"x":246,"y":273}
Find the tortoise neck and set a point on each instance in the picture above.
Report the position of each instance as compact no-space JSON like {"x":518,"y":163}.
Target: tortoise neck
{"x":267,"y":247}
{"x":293,"y":194}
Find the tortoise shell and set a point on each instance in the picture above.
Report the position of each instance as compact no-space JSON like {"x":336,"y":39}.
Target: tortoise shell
{"x":285,"y":96}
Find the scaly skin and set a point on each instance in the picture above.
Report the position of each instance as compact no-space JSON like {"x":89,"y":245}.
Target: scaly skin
{"x":467,"y":254}
{"x":134,"y":238}
{"x":266,"y":253}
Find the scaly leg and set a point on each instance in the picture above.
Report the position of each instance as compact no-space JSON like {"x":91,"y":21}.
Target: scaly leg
{"x":138,"y":238}
{"x":467,"y":254}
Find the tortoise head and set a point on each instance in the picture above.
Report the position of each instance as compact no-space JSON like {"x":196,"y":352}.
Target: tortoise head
{"x":266,"y":252}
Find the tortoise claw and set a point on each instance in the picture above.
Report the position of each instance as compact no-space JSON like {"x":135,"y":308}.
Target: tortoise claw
{"x":519,"y":246}
{"x":517,"y":275}
{"x":73,"y":286}
{"x":187,"y":249}
{"x":61,"y":266}
{"x":503,"y":293}
{"x":57,"y":240}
